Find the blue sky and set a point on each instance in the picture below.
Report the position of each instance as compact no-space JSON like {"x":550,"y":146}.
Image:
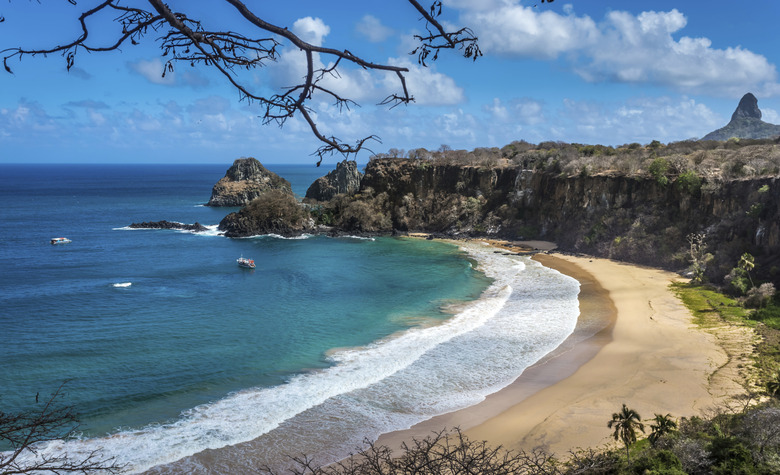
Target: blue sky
{"x":589,"y":71}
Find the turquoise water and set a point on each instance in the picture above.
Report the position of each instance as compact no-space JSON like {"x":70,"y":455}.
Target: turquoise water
{"x":165,"y":342}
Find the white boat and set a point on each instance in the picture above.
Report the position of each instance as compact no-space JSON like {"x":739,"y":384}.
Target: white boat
{"x":60,"y":240}
{"x":245,"y":262}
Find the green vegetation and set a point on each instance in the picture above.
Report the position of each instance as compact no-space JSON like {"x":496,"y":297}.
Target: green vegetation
{"x":689,"y":182}
{"x":626,"y":422}
{"x":659,"y":169}
{"x":708,"y":306}
{"x":769,"y":316}
{"x":711,"y":308}
{"x":714,"y":160}
{"x":746,"y":442}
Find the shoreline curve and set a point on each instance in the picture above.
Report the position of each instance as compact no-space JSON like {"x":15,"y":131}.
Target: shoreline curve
{"x":635,"y":343}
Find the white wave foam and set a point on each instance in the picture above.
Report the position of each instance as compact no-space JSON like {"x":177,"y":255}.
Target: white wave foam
{"x":364,"y":238}
{"x":394,"y":382}
{"x":211,"y":230}
{"x":293,"y":238}
{"x":122,"y":284}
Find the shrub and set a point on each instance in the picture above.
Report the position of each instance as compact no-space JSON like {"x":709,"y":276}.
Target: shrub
{"x":760,"y":296}
{"x":738,"y":281}
{"x":659,"y":169}
{"x":662,"y":462}
{"x":689,"y":182}
{"x":731,"y":457}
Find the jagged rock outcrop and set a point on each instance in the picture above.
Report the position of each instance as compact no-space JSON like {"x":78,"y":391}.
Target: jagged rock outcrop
{"x":196,"y":227}
{"x":745,"y":123}
{"x":747,"y":107}
{"x":244,"y":181}
{"x":345,"y":179}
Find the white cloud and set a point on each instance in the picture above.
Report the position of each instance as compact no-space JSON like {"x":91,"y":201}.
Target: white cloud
{"x":524,"y":111}
{"x":311,"y":30}
{"x":642,"y":49}
{"x":622,"y":48}
{"x":458,"y":125}
{"x":770,"y":115}
{"x":426,"y":85}
{"x":525,"y":31}
{"x":152,"y":70}
{"x":637,"y":120}
{"x":373,"y":30}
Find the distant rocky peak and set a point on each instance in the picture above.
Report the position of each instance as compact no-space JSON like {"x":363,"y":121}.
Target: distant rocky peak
{"x":748,"y":107}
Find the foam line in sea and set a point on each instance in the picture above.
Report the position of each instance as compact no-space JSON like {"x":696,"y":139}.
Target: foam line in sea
{"x":391,"y":384}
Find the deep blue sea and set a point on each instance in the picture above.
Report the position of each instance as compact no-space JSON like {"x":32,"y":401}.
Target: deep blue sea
{"x":167,"y":348}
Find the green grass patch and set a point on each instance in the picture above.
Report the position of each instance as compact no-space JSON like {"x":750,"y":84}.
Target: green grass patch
{"x":769,"y":316}
{"x":711,"y":308}
{"x":708,"y":306}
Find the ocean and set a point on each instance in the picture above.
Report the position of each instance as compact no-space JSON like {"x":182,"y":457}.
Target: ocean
{"x":166,"y":348}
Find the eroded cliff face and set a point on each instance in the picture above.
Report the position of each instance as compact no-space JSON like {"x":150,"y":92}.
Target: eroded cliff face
{"x":345,"y":179}
{"x":634,"y":219}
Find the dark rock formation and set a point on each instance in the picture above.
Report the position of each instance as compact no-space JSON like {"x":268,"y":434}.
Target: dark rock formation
{"x":197,"y":227}
{"x":273,"y":212}
{"x":629,"y":218}
{"x":244,"y":181}
{"x":748,"y":107}
{"x":345,"y":179}
{"x":745,"y":123}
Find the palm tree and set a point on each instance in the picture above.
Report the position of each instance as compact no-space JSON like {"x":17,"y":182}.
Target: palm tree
{"x":661,"y":425}
{"x":748,"y":262}
{"x":626,"y":422}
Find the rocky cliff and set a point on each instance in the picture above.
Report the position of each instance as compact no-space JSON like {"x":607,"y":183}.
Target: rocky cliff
{"x":345,"y":179}
{"x":745,"y":123}
{"x":244,"y":181}
{"x":640,"y":218}
{"x":636,"y":219}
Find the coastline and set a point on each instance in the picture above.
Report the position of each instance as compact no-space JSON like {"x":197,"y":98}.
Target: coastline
{"x":635,"y":343}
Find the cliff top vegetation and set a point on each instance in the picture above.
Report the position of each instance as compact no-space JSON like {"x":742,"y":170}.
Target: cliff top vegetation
{"x":713,"y":160}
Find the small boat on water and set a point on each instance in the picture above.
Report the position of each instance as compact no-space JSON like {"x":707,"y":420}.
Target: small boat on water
{"x":60,"y":240}
{"x":245,"y":262}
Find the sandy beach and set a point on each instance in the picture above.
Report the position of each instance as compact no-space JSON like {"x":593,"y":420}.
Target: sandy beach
{"x":635,"y":344}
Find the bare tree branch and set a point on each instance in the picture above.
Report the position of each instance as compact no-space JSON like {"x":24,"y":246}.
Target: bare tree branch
{"x":185,"y":40}
{"x":27,"y":433}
